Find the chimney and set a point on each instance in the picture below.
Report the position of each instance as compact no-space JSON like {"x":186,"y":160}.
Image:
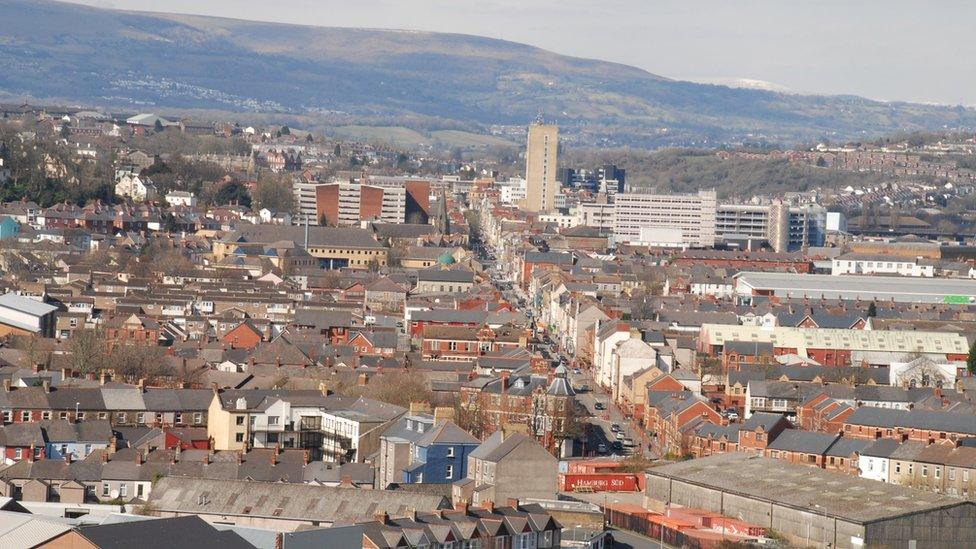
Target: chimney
{"x":113,"y":445}
{"x":141,"y":385}
{"x":240,"y":457}
{"x":488,"y":506}
{"x":346,"y":482}
{"x":6,"y":385}
{"x":305,"y":457}
{"x":504,"y":376}
{"x":36,"y":367}
{"x":206,"y":458}
{"x":67,"y":457}
{"x":278,"y":361}
{"x":443,"y":414}
{"x":176,"y":453}
{"x":138,"y":457}
{"x":105,"y":457}
{"x":47,"y":385}
{"x":461,"y":507}
{"x":382,"y":518}
{"x":513,"y":503}
{"x":30,"y":456}
{"x":102,"y":378}
{"x":215,"y":387}
{"x":250,"y":361}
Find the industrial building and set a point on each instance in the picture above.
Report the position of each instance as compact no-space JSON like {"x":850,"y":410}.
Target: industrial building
{"x":865,"y":288}
{"x":832,"y":346}
{"x":813,"y":507}
{"x":665,"y":220}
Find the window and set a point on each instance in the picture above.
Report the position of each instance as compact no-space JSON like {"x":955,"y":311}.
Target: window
{"x":25,"y":416}
{"x":450,"y":451}
{"x":273,"y":420}
{"x":450,"y":472}
{"x":123,"y":490}
{"x":140,"y":490}
{"x":140,"y":418}
{"x":938,"y":472}
{"x":272,"y":438}
{"x":18,"y":453}
{"x":105,"y":489}
{"x":198,"y":418}
{"x":239,"y":437}
{"x":7,"y":416}
{"x":178,"y":418}
{"x":102,"y":415}
{"x":88,"y":449}
{"x":925,"y":470}
{"x":239,"y":420}
{"x":952,"y":474}
{"x":120,"y":417}
{"x":965,"y":475}
{"x":81,"y":416}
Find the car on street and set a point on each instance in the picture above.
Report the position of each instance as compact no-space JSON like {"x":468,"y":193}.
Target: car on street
{"x":617,"y":446}
{"x":615,"y":427}
{"x":577,"y":371}
{"x":601,"y":448}
{"x":731,"y":414}
{"x":583,"y":388}
{"x":599,"y":406}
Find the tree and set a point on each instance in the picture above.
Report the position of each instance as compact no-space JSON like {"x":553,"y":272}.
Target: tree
{"x":87,"y":351}
{"x":337,"y":151}
{"x":399,"y":388}
{"x":872,"y":310}
{"x":285,"y":130}
{"x":971,"y":360}
{"x":274,"y":194}
{"x":158,"y":126}
{"x":231,"y":193}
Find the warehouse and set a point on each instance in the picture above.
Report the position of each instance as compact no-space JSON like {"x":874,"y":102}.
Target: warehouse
{"x":813,"y":507}
{"x":865,"y":288}
{"x":831,"y":346}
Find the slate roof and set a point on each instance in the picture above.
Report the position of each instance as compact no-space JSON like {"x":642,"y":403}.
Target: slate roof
{"x":913,"y":419}
{"x":179,"y":532}
{"x":285,"y":501}
{"x":447,"y":432}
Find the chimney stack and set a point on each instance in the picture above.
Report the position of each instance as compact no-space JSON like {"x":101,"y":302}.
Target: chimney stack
{"x":46,"y":384}
{"x":138,"y":457}
{"x":141,"y":385}
{"x":102,"y":378}
{"x":6,"y":385}
{"x":382,"y":518}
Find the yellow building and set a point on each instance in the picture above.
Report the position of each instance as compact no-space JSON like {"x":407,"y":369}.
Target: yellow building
{"x":333,"y":247}
{"x":227,"y":425}
{"x":540,"y":168}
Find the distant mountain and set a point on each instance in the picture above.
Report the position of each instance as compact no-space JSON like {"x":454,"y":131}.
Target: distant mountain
{"x":143,"y":61}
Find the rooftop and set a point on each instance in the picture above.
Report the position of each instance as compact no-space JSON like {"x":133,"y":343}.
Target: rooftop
{"x":806,"y":488}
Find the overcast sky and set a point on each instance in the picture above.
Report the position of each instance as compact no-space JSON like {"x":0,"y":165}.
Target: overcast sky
{"x":883,"y":49}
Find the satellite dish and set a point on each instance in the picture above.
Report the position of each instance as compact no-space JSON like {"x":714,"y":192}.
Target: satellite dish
{"x":114,"y":494}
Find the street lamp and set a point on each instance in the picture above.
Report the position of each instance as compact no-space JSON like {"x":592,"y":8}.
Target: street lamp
{"x":77,"y":404}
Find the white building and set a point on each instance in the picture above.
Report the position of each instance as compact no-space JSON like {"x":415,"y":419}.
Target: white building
{"x":181,"y":198}
{"x":870,"y":264}
{"x":593,"y":214}
{"x":629,"y":356}
{"x":665,"y":219}
{"x":563,"y":221}
{"x":135,"y":188}
{"x":512,"y":191}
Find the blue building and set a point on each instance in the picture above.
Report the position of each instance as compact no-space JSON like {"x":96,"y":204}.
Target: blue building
{"x":441,"y":455}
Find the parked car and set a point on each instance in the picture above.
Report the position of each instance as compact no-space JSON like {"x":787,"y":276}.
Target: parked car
{"x":577,"y":371}
{"x":599,"y":406}
{"x":628,"y":443}
{"x":615,"y":427}
{"x":583,"y":388}
{"x":601,"y":448}
{"x":617,"y":446}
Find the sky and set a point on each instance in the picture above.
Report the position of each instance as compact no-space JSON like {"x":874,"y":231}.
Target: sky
{"x":901,"y":50}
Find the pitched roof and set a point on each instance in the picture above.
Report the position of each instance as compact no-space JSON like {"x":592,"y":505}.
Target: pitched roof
{"x":178,"y":532}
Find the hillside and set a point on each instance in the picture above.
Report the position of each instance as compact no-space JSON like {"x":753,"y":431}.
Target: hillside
{"x":423,"y":81}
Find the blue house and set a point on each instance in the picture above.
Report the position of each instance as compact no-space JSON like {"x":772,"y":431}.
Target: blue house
{"x":441,"y":455}
{"x":8,"y":227}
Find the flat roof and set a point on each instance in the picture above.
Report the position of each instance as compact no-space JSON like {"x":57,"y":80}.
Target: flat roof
{"x":802,"y":339}
{"x":803,"y":487}
{"x":882,"y":288}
